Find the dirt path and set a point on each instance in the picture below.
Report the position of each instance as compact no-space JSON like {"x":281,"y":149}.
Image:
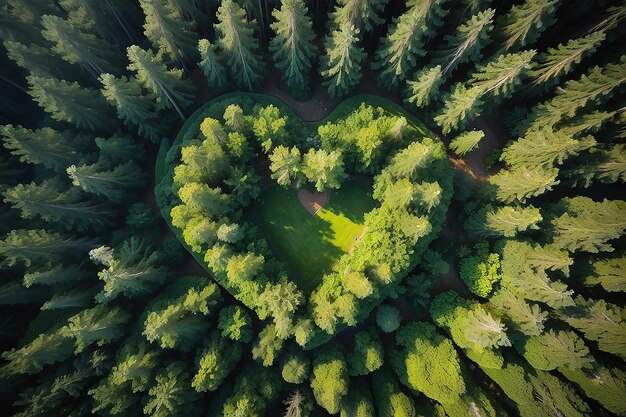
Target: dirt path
{"x":314,"y":201}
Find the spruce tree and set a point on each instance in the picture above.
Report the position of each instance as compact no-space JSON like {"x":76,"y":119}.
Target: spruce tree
{"x":43,"y":146}
{"x":47,"y":348}
{"x":466,"y":42}
{"x":523,"y":24}
{"x":133,"y":106}
{"x":76,"y":46}
{"x":286,"y":165}
{"x":174,"y":37}
{"x":466,"y":141}
{"x":505,"y":221}
{"x":112,"y":184}
{"x":293,"y":50}
{"x":170,"y":89}
{"x":210,"y":66}
{"x":239,"y":46}
{"x":522,"y":183}
{"x":100,"y":324}
{"x":38,"y":245}
{"x":424,"y":87}
{"x":69,"y":102}
{"x":460,"y":105}
{"x":341,"y":66}
{"x":587,"y":225}
{"x":544,"y":148}
{"x":609,"y":274}
{"x":595,"y":86}
{"x":130,"y":270}
{"x":600,"y":322}
{"x":54,"y":203}
{"x":362,"y":14}
{"x":555,"y":63}
{"x":554,"y":349}
{"x":118,"y":149}
{"x":405,"y":41}
{"x":36,"y":59}
{"x":109,"y":19}
{"x":500,"y":76}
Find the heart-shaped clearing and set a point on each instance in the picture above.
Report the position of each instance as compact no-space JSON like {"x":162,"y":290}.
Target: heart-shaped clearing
{"x":342,"y":262}
{"x":312,"y":244}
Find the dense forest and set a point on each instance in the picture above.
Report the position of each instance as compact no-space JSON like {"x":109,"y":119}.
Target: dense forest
{"x":305,"y":208}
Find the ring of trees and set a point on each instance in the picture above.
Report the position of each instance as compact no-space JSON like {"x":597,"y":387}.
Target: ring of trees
{"x":210,"y":176}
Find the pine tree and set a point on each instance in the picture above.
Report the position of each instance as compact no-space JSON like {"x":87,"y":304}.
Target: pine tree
{"x":554,"y":349}
{"x":136,"y":363}
{"x":325,"y":169}
{"x":76,"y":46}
{"x":286,"y":166}
{"x":587,"y":225}
{"x":101,"y":325}
{"x":466,"y":141}
{"x":47,"y":348}
{"x":69,"y":102}
{"x":210,"y":66}
{"x":293,"y":50}
{"x":500,"y":76}
{"x":595,"y":86}
{"x":522,"y":183}
{"x":555,"y":63}
{"x":600,"y":322}
{"x":132,"y":269}
{"x":544,"y":149}
{"x":54,"y":203}
{"x":405,"y":41}
{"x":35,"y":59}
{"x":238,"y":44}
{"x":34,"y":246}
{"x":602,"y":383}
{"x":481,"y":330}
{"x":280,"y":300}
{"x":466,"y":42}
{"x":492,"y":82}
{"x":341,"y":66}
{"x":108,"y":19}
{"x":43,"y":146}
{"x":170,"y":89}
{"x":505,"y":221}
{"x":112,"y":184}
{"x":609,"y":273}
{"x":215,"y":361}
{"x":171,"y":35}
{"x":266,"y":348}
{"x":53,"y":275}
{"x":525,"y":317}
{"x":235,"y":324}
{"x":425,"y":87}
{"x":78,"y":297}
{"x":362,"y":14}
{"x":460,"y":105}
{"x":523,"y":24}
{"x":169,"y":395}
{"x":133,"y":106}
{"x":118,"y":149}
{"x":533,"y":284}
{"x":330,"y":379}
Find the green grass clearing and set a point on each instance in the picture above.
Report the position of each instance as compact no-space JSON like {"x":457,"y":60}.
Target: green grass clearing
{"x":311,"y":245}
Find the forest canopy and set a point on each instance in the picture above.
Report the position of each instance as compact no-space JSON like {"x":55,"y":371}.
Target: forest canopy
{"x":304,"y":208}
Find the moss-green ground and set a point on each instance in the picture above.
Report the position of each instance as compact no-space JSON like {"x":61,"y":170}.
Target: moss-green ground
{"x":310,"y":245}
